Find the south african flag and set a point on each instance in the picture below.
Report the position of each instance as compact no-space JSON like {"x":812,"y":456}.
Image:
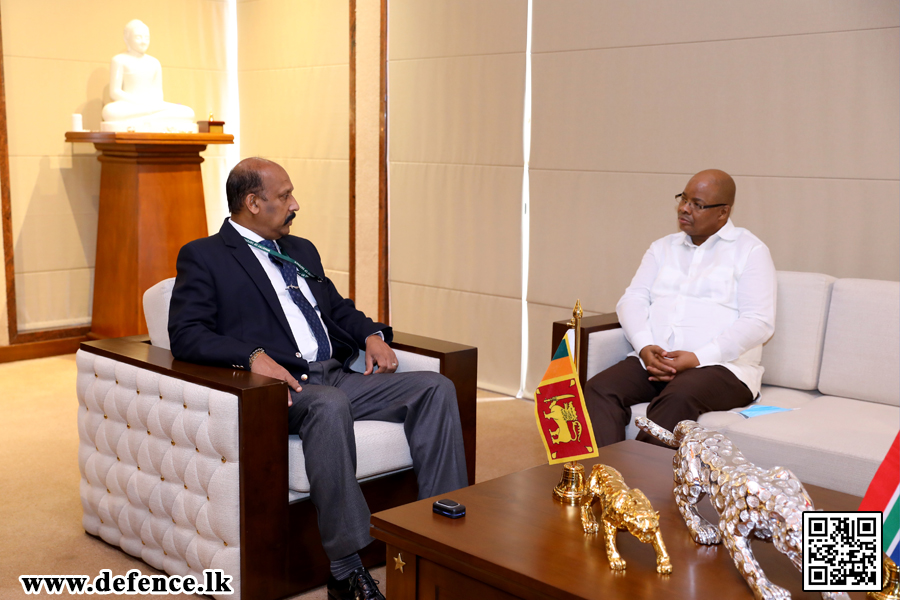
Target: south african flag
{"x":882,"y":496}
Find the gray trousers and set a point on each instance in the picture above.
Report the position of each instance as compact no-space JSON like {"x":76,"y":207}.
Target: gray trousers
{"x":323,"y":415}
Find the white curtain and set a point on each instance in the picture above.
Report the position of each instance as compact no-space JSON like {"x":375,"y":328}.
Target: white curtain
{"x":456,"y":83}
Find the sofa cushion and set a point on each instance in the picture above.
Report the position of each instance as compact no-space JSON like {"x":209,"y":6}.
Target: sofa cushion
{"x":720,"y":420}
{"x":793,"y":355}
{"x":769,"y":395}
{"x":381,"y":448}
{"x":861,"y":354}
{"x":822,"y":442}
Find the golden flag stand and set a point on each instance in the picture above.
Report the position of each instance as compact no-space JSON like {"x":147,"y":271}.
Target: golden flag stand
{"x":571,"y":486}
{"x":890,"y":589}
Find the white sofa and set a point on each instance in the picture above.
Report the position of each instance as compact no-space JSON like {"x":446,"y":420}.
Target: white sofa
{"x":188,"y":466}
{"x":834,"y":357}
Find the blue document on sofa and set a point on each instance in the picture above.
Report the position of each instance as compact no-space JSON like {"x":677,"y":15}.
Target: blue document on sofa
{"x":759,"y":410}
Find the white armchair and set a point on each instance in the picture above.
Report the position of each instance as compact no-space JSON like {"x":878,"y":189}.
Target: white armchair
{"x":186,"y":467}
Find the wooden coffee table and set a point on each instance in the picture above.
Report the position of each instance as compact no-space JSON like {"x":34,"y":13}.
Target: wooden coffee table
{"x":516,"y":541}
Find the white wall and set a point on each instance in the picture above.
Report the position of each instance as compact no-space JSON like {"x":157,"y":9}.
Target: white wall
{"x":799,"y":101}
{"x":456,"y":82}
{"x":293,"y":66}
{"x":56,"y":62}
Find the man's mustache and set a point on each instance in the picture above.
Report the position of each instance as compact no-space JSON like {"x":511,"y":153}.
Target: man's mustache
{"x":290,"y":218}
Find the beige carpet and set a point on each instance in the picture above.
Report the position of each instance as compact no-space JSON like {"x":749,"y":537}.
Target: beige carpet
{"x":40,"y":509}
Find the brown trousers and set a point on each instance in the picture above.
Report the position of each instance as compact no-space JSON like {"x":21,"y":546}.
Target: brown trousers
{"x":610,"y":394}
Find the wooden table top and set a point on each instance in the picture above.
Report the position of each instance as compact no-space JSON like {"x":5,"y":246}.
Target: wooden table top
{"x":515,"y":536}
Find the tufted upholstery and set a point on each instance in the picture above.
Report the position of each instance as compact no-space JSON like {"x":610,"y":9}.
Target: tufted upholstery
{"x":159,"y":467}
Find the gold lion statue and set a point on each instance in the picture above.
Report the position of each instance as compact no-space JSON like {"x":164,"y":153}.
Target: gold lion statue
{"x":622,"y":508}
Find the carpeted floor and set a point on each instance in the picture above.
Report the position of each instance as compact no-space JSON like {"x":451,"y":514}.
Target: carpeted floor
{"x":40,"y":508}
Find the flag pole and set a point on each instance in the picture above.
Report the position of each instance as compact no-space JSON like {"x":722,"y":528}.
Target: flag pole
{"x":571,"y":487}
{"x":575,"y":323}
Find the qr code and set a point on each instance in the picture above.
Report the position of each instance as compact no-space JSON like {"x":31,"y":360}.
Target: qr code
{"x":842,"y":551}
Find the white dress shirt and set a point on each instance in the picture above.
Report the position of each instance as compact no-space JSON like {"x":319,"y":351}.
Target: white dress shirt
{"x":716,"y":300}
{"x":303,"y":336}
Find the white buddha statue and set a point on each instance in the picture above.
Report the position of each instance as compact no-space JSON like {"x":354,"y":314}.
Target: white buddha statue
{"x":135,"y":86}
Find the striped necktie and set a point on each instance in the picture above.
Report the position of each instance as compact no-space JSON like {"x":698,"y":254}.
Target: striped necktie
{"x":289,"y":274}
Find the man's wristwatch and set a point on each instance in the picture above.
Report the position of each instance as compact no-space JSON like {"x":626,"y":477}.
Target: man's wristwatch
{"x":254,"y":355}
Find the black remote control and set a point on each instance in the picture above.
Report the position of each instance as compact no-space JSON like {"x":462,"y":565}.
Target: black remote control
{"x":449,"y":508}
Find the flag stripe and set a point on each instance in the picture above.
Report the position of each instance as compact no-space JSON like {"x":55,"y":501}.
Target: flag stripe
{"x":557,"y":368}
{"x":895,"y":552}
{"x":561,"y":352}
{"x":884,"y":484}
{"x":891,"y":525}
{"x":891,"y":545}
{"x":892,"y":503}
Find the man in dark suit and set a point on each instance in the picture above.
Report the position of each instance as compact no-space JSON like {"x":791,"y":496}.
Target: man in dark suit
{"x":255,"y":297}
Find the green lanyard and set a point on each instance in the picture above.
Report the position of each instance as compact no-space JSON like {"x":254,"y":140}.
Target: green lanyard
{"x":304,"y":272}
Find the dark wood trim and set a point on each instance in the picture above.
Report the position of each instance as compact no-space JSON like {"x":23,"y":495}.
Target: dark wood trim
{"x":44,"y":335}
{"x":40,"y":349}
{"x":351,"y":267}
{"x":139,"y":353}
{"x":122,"y":140}
{"x":384,"y":290}
{"x":403,"y":586}
{"x":263,"y":455}
{"x":6,"y":207}
{"x":588,"y":326}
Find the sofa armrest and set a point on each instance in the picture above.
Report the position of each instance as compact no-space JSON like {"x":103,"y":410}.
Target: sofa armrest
{"x":589,"y":325}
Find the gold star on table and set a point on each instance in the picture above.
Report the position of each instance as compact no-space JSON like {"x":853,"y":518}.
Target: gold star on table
{"x":398,"y":563}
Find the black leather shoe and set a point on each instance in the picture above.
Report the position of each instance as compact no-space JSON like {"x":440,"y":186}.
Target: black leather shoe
{"x":359,"y":586}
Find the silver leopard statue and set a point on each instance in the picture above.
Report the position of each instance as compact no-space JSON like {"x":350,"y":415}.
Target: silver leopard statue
{"x":751,"y":502}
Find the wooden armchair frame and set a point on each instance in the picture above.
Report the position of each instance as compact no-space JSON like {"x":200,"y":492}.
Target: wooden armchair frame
{"x":281,"y":552}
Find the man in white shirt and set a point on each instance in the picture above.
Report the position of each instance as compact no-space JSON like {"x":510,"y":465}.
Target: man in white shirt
{"x":697,"y":312}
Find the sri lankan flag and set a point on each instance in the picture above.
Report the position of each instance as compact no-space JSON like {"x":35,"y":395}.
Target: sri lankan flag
{"x":882,"y":496}
{"x":559,"y":409}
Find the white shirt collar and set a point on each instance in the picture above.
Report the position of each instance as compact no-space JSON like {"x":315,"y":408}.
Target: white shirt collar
{"x":250,"y":235}
{"x":728,"y":232}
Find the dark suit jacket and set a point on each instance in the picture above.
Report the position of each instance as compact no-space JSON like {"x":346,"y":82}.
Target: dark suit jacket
{"x":224,"y":306}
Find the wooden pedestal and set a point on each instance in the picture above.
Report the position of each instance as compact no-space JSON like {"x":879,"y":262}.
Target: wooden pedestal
{"x":151,"y":204}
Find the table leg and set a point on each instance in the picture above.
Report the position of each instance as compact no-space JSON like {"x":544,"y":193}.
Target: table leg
{"x":400,"y":572}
